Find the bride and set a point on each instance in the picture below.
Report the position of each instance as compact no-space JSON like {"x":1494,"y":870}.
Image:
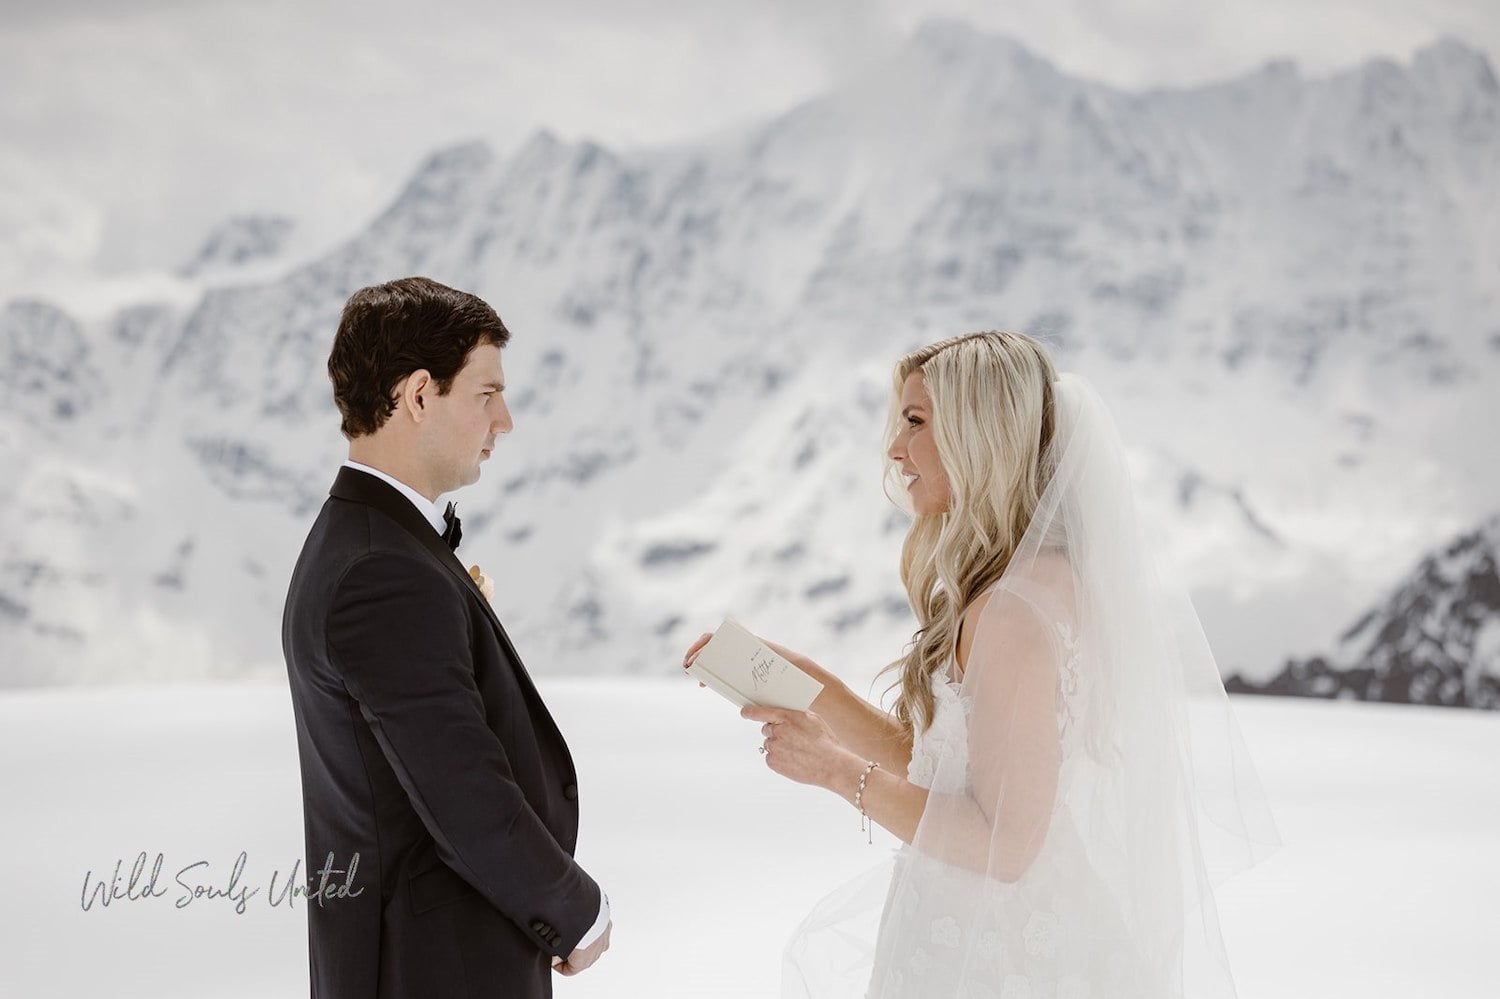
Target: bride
{"x":1060,"y":763}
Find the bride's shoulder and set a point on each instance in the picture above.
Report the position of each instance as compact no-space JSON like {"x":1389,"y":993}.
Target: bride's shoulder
{"x":1042,"y":594}
{"x":1046,"y":579}
{"x":1051,"y":574}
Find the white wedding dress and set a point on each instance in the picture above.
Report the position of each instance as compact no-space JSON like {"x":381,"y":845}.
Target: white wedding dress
{"x":1088,"y":787}
{"x":949,"y":931}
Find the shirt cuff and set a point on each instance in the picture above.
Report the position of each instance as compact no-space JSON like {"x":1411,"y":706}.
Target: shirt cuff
{"x":597,"y":930}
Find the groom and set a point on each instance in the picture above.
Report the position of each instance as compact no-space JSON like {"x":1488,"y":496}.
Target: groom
{"x":435,"y":784}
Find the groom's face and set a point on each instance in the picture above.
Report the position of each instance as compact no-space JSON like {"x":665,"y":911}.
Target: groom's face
{"x":461,"y":427}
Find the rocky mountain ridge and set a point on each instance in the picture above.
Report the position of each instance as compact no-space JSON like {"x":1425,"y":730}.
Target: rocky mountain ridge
{"x":1283,"y":286}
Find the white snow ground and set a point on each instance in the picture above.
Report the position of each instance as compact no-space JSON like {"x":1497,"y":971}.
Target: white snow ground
{"x":1388,"y":885}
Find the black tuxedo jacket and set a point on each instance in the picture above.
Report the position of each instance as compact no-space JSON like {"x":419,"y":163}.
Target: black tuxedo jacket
{"x":426,"y":750}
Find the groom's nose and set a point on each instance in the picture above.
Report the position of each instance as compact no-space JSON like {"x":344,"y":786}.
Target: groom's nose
{"x":503,"y":423}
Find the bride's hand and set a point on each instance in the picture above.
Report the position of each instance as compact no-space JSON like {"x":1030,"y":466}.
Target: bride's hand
{"x":799,"y":745}
{"x":812,"y":669}
{"x":697,"y":647}
{"x":797,"y":659}
{"x":691,"y":655}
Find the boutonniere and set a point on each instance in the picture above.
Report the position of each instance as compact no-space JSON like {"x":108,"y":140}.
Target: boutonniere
{"x":486,"y":584}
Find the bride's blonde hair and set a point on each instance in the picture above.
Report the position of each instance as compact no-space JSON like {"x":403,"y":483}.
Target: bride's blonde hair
{"x":992,"y":419}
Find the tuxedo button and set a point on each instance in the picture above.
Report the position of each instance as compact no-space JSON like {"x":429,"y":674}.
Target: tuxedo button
{"x":571,"y":792}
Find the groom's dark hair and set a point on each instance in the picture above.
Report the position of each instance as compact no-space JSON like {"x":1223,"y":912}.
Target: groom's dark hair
{"x":390,"y":330}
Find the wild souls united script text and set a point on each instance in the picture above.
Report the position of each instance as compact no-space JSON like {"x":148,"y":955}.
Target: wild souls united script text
{"x":190,"y":882}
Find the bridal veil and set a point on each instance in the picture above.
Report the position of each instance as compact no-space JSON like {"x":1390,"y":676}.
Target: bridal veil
{"x":1098,"y":792}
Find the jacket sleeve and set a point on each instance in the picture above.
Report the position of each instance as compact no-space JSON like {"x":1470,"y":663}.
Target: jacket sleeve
{"x":400,"y":637}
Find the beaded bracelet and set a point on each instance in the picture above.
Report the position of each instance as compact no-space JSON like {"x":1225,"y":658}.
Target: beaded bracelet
{"x":859,"y":795}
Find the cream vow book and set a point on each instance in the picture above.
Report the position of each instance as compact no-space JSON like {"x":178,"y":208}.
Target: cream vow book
{"x":744,"y":670}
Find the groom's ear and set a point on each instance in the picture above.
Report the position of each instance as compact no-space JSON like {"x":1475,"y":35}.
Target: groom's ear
{"x":412,"y":392}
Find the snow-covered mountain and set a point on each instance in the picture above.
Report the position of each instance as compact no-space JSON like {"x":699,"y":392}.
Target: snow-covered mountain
{"x":1286,"y":288}
{"x":1435,"y":640}
{"x":240,"y":240}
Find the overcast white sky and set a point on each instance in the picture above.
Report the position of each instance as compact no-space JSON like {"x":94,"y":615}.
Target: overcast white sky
{"x":133,"y":127}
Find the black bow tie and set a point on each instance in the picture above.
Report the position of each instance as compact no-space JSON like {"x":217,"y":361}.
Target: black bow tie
{"x":452,"y":532}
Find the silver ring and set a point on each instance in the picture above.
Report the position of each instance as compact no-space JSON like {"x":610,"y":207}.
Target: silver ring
{"x":762,"y":750}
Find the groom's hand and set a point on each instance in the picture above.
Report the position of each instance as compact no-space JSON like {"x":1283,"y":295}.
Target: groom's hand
{"x":584,"y":957}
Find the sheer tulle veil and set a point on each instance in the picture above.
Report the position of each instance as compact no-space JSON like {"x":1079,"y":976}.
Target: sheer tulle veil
{"x":1071,"y":844}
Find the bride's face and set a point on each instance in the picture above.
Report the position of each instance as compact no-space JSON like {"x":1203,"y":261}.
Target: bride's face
{"x":915,"y":450}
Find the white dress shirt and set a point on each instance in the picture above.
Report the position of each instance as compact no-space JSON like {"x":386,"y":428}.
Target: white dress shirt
{"x":434,"y":514}
{"x":431,"y":510}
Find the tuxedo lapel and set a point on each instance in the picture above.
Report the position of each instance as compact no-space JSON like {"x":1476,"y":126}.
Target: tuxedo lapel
{"x":361,"y":487}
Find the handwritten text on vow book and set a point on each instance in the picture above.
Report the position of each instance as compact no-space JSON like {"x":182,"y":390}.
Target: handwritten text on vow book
{"x":744,"y":670}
